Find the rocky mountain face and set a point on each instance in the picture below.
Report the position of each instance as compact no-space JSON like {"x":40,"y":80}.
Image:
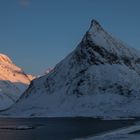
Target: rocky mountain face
{"x":100,"y":78}
{"x":13,"y":82}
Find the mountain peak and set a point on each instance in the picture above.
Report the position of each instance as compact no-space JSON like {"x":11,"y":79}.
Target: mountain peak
{"x":100,"y":78}
{"x":95,"y":25}
{"x":4,"y":58}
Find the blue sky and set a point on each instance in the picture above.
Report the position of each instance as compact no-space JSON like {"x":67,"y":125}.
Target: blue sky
{"x":37,"y":34}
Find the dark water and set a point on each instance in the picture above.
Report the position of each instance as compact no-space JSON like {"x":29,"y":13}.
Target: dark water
{"x":56,"y":128}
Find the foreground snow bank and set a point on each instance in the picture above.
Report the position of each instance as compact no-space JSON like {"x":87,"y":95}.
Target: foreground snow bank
{"x":117,"y":137}
{"x":121,"y":134}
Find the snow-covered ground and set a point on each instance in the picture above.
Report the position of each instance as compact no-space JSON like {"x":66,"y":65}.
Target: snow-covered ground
{"x":121,"y":134}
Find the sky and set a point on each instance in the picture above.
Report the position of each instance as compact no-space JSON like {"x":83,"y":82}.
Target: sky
{"x":37,"y":34}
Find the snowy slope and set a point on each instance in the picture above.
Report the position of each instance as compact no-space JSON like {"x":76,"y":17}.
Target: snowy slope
{"x":13,"y":82}
{"x":99,"y":78}
{"x":128,"y":133}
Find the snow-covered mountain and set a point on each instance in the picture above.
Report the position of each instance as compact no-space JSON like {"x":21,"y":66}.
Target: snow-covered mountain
{"x":101,"y":77}
{"x":48,"y":71}
{"x":13,"y":82}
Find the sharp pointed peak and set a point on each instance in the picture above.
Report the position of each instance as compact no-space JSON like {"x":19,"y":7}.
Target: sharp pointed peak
{"x":95,"y":25}
{"x":94,"y":22}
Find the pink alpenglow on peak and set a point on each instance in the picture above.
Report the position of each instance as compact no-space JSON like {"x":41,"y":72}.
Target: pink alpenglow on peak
{"x":13,"y":82}
{"x":4,"y":58}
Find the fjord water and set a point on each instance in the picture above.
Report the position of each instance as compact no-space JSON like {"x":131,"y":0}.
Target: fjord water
{"x":56,"y":128}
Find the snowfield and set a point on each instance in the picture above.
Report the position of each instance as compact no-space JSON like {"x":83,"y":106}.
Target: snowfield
{"x":100,"y":78}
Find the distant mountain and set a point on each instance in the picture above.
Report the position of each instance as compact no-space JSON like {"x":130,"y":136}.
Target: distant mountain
{"x":101,"y":77}
{"x":13,"y":82}
{"x":48,"y":71}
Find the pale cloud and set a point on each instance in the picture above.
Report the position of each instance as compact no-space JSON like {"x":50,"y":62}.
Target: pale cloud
{"x":24,"y":3}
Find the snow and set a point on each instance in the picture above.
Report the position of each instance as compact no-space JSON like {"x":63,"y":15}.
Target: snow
{"x":100,"y":78}
{"x":102,"y":38}
{"x":4,"y":58}
{"x":120,"y":134}
{"x":115,"y":137}
{"x":13,"y":82}
{"x":19,"y":127}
